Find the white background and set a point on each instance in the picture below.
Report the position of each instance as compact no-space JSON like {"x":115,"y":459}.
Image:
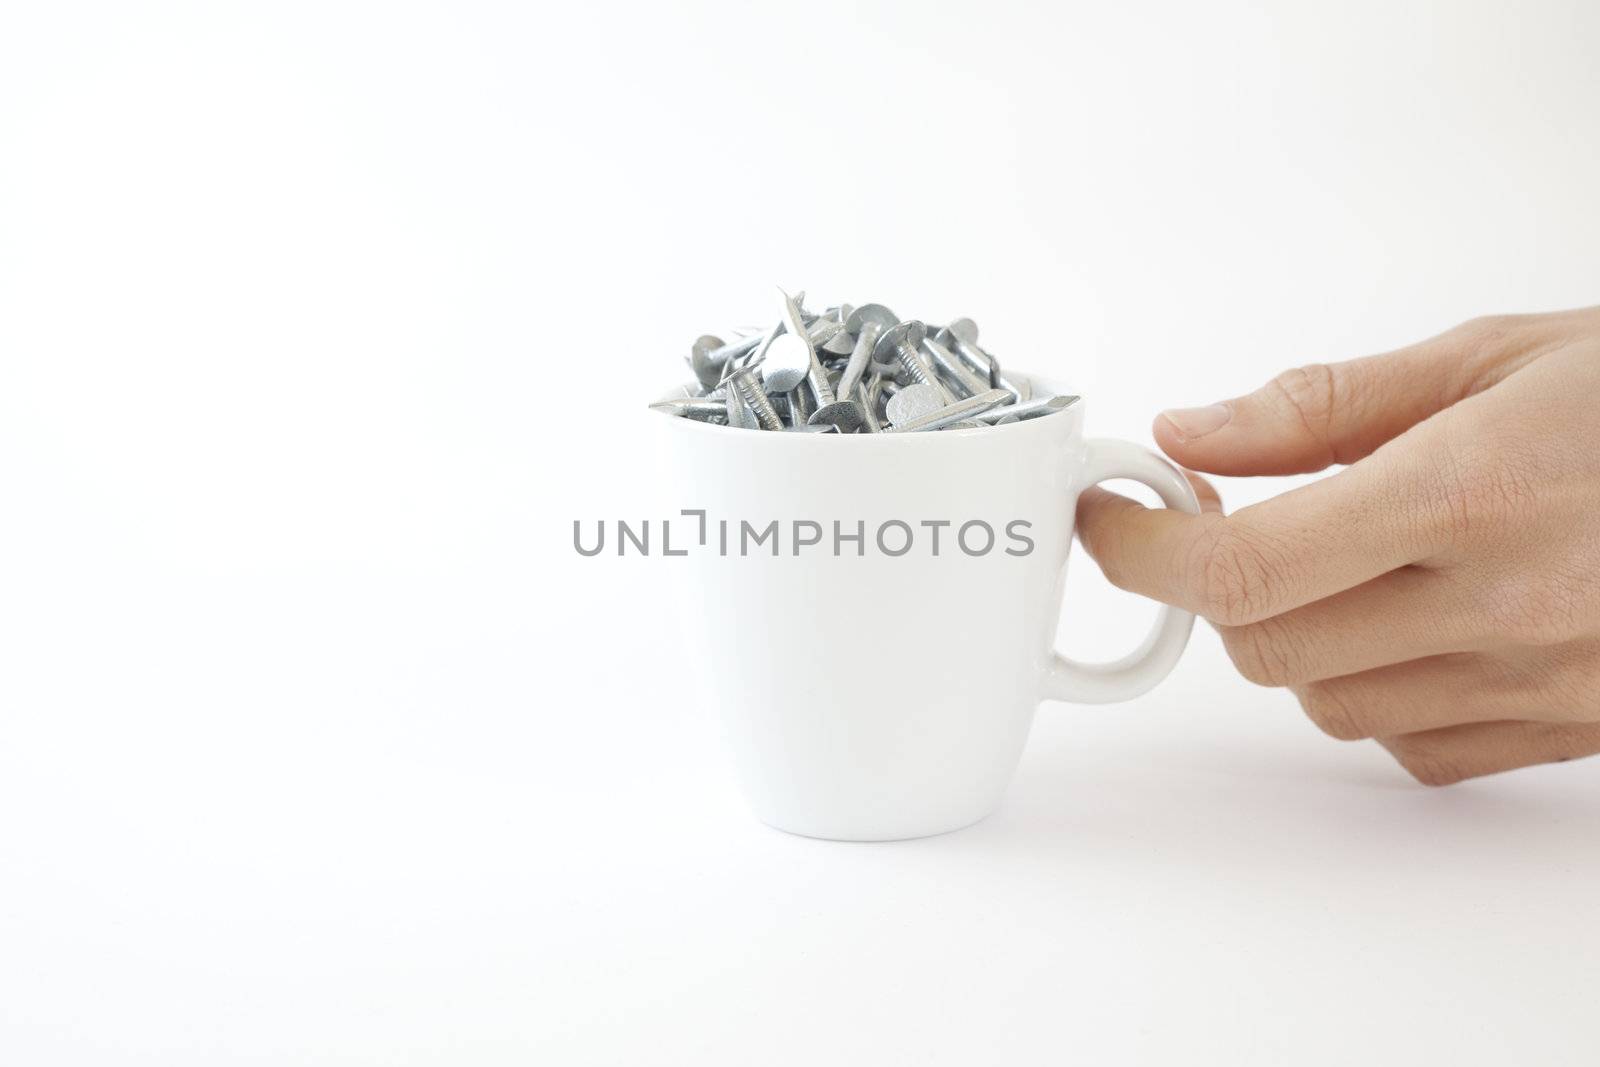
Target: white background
{"x":319,"y":324}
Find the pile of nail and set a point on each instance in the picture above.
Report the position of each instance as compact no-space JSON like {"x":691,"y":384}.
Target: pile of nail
{"x":853,"y":370}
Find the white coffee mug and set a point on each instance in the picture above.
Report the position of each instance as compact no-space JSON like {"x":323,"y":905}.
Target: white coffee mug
{"x":882,"y":688}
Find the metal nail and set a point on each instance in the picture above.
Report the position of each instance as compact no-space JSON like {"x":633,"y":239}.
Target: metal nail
{"x":952,"y":367}
{"x":953,"y":413}
{"x":702,"y":359}
{"x":787,"y":362}
{"x":860,"y":355}
{"x":800,"y":406}
{"x":699,"y":408}
{"x":1032,"y":409}
{"x":876,"y":314}
{"x":913,"y":402}
{"x":745,"y":382}
{"x":902,"y":342}
{"x":962,"y":336}
{"x":869,"y":408}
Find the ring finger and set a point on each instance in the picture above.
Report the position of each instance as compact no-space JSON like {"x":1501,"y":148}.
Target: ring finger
{"x":1403,"y":615}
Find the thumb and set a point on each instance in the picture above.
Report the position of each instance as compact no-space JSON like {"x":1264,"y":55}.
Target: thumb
{"x":1315,"y":416}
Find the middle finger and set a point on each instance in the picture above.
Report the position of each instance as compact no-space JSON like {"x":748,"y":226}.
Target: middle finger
{"x":1404,"y":615}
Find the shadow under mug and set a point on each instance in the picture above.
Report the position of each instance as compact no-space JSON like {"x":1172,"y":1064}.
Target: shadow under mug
{"x":884,"y":608}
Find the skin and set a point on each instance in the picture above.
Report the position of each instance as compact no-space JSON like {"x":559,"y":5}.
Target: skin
{"x":1441,"y":593}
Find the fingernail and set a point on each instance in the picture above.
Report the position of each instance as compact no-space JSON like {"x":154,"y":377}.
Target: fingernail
{"x":1197,"y":422}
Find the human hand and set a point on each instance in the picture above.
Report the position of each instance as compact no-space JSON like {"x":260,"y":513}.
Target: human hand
{"x":1442,"y":593}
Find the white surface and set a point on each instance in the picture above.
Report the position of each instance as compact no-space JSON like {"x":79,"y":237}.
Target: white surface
{"x":322,"y":746}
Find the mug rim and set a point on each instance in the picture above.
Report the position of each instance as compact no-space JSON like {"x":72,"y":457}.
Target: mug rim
{"x":1074,"y":412}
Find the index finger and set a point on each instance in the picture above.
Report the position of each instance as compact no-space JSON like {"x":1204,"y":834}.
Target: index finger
{"x":1307,"y":544}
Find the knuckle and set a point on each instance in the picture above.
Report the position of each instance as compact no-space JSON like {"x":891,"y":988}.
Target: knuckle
{"x":1309,"y":393}
{"x":1497,"y":486}
{"x":1234,"y":577}
{"x":1486,"y":337}
{"x":1261,"y":652}
{"x":1487,"y":329}
{"x":1484,"y":483}
{"x":1444,"y":493}
{"x":1331,"y":713}
{"x":1537,"y":609}
{"x":1480,"y":347}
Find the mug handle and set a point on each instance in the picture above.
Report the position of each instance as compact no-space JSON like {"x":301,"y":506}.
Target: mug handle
{"x":1153,"y":660}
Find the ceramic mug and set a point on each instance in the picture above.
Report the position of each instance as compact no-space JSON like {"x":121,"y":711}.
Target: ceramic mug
{"x":884,"y":609}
